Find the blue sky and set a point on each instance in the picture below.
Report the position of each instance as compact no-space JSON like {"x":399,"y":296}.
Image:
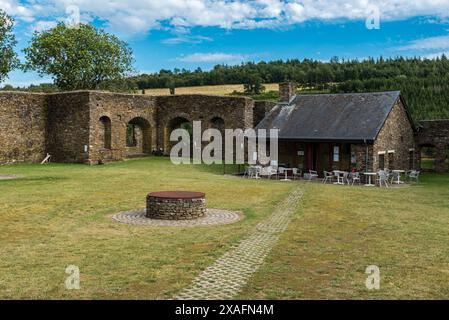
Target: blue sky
{"x":201,"y":33}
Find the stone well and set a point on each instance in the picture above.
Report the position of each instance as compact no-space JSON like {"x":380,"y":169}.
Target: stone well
{"x":176,"y":205}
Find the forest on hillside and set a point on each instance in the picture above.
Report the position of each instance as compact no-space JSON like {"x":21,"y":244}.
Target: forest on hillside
{"x":424,"y":82}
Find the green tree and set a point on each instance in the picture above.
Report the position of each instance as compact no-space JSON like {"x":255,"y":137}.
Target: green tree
{"x":253,"y":84}
{"x":8,"y":58}
{"x":78,"y":58}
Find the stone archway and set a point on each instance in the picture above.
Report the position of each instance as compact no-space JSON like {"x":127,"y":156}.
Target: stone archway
{"x":434,"y":134}
{"x":105,"y":132}
{"x":217,"y":123}
{"x":427,"y":157}
{"x":178,"y":122}
{"x":138,"y":137}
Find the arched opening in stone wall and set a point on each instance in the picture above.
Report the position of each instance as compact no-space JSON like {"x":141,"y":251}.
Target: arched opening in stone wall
{"x":106,"y":132}
{"x":428,"y":154}
{"x":219,"y":124}
{"x":177,"y":123}
{"x":138,"y":136}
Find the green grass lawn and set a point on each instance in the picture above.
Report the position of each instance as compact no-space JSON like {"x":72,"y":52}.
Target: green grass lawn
{"x":340,"y":231}
{"x":58,"y":215}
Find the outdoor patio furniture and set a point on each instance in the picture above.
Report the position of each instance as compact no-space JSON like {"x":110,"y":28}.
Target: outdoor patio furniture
{"x":328,"y":176}
{"x":369,"y":175}
{"x":389,"y":174}
{"x":253,"y":172}
{"x":353,"y":178}
{"x":268,"y":172}
{"x":383,"y":179}
{"x":345,"y":177}
{"x":281,"y":172}
{"x":413,"y":175}
{"x":297,"y":173}
{"x":273,"y":171}
{"x":341,"y":176}
{"x":286,"y":175}
{"x":246,"y":172}
{"x":396,"y":176}
{"x":313,"y":175}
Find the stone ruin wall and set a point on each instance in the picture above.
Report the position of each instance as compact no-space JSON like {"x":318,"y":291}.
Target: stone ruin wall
{"x":70,"y":125}
{"x":67,"y":132}
{"x":435,"y":133}
{"x":120,"y":109}
{"x":22,"y":127}
{"x":236,"y":112}
{"x":261,"y":109}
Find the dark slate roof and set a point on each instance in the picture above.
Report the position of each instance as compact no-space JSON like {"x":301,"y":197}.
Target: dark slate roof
{"x":347,"y":116}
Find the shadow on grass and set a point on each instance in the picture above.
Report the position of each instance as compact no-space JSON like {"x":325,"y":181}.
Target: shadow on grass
{"x":35,"y":179}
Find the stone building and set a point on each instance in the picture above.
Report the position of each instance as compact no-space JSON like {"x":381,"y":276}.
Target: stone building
{"x":325,"y":132}
{"x":367,"y":131}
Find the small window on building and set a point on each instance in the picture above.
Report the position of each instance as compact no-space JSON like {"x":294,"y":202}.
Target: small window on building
{"x":336,"y":153}
{"x":382,"y":161}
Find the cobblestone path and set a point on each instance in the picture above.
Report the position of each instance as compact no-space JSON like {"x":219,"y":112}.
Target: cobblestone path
{"x":229,"y":274}
{"x":212,"y":217}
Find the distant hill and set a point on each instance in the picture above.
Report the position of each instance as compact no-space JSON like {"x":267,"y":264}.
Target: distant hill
{"x":224,"y":89}
{"x":423,"y":82}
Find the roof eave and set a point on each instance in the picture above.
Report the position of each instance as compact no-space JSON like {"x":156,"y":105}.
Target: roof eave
{"x":332,"y":139}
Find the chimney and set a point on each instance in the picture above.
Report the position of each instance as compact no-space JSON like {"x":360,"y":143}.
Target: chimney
{"x":287,"y":90}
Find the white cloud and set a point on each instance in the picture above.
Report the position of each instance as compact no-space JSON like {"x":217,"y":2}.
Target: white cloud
{"x":43,"y":25}
{"x":186,"y":39}
{"x":440,"y":42}
{"x":130,"y":16}
{"x":436,"y":55}
{"x":213,"y":57}
{"x":19,"y":11}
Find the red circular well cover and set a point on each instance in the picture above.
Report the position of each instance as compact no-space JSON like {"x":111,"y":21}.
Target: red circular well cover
{"x":177,"y":195}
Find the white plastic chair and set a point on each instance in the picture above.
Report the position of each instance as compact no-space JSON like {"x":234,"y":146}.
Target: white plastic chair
{"x":328,"y":176}
{"x":383,"y":179}
{"x":313,"y":175}
{"x":413,"y":175}
{"x":354,"y":177}
{"x":296,"y":173}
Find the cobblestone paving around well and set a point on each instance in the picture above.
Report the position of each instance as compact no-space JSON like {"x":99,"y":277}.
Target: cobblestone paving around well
{"x":229,"y":274}
{"x":212,"y":217}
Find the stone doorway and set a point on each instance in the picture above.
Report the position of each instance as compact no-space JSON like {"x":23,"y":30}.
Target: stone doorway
{"x":138,"y":137}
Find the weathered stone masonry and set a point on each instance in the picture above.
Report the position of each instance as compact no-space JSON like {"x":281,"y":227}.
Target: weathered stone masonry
{"x":22,"y":127}
{"x":395,"y":140}
{"x":434,"y":133}
{"x":91,"y":126}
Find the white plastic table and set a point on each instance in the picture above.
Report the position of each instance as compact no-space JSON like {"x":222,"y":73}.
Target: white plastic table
{"x":399,"y":172}
{"x":369,"y":174}
{"x":339,"y":174}
{"x":286,"y":176}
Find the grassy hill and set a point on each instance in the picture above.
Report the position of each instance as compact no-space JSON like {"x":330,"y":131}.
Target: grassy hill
{"x":220,"y":90}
